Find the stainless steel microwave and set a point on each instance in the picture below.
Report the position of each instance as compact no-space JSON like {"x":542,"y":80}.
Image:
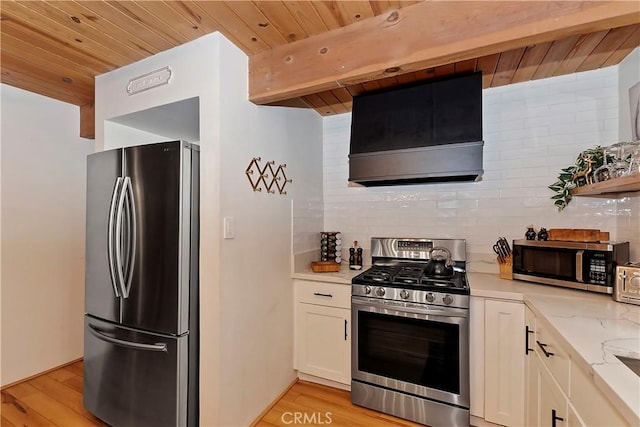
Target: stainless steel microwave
{"x":577,"y":265}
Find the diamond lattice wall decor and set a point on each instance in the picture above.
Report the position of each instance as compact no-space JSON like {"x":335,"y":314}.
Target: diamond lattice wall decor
{"x":264,"y":176}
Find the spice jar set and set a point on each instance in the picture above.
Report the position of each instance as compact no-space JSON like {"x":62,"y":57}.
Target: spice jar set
{"x":331,"y":250}
{"x":331,"y":246}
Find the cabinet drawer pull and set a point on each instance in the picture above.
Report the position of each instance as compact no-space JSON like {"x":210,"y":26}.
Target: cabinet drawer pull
{"x":526,"y":340}
{"x":555,"y":418}
{"x":544,"y":350}
{"x":318,"y":294}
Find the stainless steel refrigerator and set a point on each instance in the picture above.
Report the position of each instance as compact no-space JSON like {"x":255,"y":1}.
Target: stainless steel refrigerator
{"x":141,"y":295}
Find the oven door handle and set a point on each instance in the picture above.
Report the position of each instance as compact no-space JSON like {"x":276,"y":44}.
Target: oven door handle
{"x":401,"y":307}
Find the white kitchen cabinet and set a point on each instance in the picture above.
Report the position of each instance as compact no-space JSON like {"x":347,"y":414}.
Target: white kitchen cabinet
{"x":530,"y":383}
{"x":504,"y":363}
{"x":476,"y":356}
{"x":552,"y":403}
{"x":558,"y":389}
{"x":323,"y":330}
{"x":553,"y":355}
{"x":573,"y":419}
{"x":591,"y":406}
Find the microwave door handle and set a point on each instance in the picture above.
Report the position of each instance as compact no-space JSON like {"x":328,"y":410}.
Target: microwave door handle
{"x":579,"y":262}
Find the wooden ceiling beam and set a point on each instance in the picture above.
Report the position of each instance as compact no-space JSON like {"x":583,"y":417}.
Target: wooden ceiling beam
{"x":88,"y":121}
{"x":427,"y":34}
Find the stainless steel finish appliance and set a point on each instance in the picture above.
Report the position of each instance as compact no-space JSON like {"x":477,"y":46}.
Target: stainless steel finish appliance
{"x":576,"y":265}
{"x":141,"y":297}
{"x":420,"y":133}
{"x":627,"y":284}
{"x":410,"y":333}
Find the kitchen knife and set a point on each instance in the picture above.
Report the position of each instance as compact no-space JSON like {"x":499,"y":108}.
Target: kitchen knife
{"x":505,"y":246}
{"x":498,"y":250}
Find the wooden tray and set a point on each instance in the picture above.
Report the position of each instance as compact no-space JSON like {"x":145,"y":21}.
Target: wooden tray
{"x":578,"y":234}
{"x":325,"y":267}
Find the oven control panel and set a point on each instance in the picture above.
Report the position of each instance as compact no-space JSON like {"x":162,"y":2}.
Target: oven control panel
{"x":388,"y":295}
{"x":408,"y":245}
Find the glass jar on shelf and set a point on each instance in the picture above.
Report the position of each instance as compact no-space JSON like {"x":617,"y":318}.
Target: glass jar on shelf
{"x":634,"y":158}
{"x":619,"y":166}
{"x":605,"y":172}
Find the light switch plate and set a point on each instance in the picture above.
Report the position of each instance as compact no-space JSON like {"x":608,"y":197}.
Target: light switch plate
{"x":229,"y":231}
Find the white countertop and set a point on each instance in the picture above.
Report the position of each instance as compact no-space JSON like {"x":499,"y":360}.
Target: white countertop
{"x":343,"y":276}
{"x":594,"y":328}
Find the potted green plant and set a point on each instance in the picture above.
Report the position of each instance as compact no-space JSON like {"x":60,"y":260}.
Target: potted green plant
{"x":577,"y":175}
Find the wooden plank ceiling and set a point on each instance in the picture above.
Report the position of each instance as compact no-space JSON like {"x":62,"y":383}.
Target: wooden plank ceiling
{"x":56,"y":48}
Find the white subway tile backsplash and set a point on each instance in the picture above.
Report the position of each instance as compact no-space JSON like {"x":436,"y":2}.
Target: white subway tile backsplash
{"x":610,"y":123}
{"x":549,"y":96}
{"x":510,"y":156}
{"x":531,"y":131}
{"x":513,"y":98}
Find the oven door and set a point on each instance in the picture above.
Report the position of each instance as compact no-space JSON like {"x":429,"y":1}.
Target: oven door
{"x":411,"y":348}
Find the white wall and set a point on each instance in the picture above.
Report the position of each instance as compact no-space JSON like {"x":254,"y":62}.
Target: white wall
{"x":256,"y":309}
{"x":245,"y":283}
{"x":42,"y":227}
{"x":531,"y":131}
{"x":628,"y":206}
{"x":195,"y":68}
{"x":628,"y":75}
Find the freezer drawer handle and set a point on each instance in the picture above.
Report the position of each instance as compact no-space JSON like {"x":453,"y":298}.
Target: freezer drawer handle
{"x":111,"y":236}
{"x":128,"y":344}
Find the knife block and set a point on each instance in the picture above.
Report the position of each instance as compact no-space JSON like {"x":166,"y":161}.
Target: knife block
{"x":506,"y":268}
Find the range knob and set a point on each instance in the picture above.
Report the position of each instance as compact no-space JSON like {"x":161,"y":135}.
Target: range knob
{"x":367,"y":290}
{"x":404,"y":294}
{"x":431,"y":297}
{"x":448,"y":299}
{"x":380,"y":292}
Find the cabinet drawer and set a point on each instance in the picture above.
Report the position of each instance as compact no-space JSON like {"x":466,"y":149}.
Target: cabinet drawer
{"x":552,"y":355}
{"x":573,"y":419}
{"x":552,"y":402}
{"x":321,"y":293}
{"x":592,"y":406}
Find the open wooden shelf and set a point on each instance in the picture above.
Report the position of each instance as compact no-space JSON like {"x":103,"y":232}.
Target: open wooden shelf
{"x":625,"y":184}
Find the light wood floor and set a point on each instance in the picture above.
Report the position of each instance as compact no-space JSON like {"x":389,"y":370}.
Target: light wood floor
{"x":52,"y":399}
{"x":316,"y":401}
{"x":55,"y":399}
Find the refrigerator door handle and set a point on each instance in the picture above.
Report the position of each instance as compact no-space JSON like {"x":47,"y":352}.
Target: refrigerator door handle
{"x":111,"y":236}
{"x":127,"y":269}
{"x":118,"y":241}
{"x":128,"y":344}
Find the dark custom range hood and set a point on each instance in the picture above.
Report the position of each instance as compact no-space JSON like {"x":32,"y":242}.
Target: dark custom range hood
{"x":426,"y":133}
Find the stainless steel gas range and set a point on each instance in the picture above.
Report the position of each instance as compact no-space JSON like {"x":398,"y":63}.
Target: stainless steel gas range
{"x":410,"y":331}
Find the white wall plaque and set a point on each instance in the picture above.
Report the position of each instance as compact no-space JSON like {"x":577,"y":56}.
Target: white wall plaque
{"x":149,"y":81}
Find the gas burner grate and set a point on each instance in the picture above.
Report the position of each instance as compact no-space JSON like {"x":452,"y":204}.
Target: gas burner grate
{"x":440,"y":283}
{"x":379,"y":274}
{"x":408,"y":275}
